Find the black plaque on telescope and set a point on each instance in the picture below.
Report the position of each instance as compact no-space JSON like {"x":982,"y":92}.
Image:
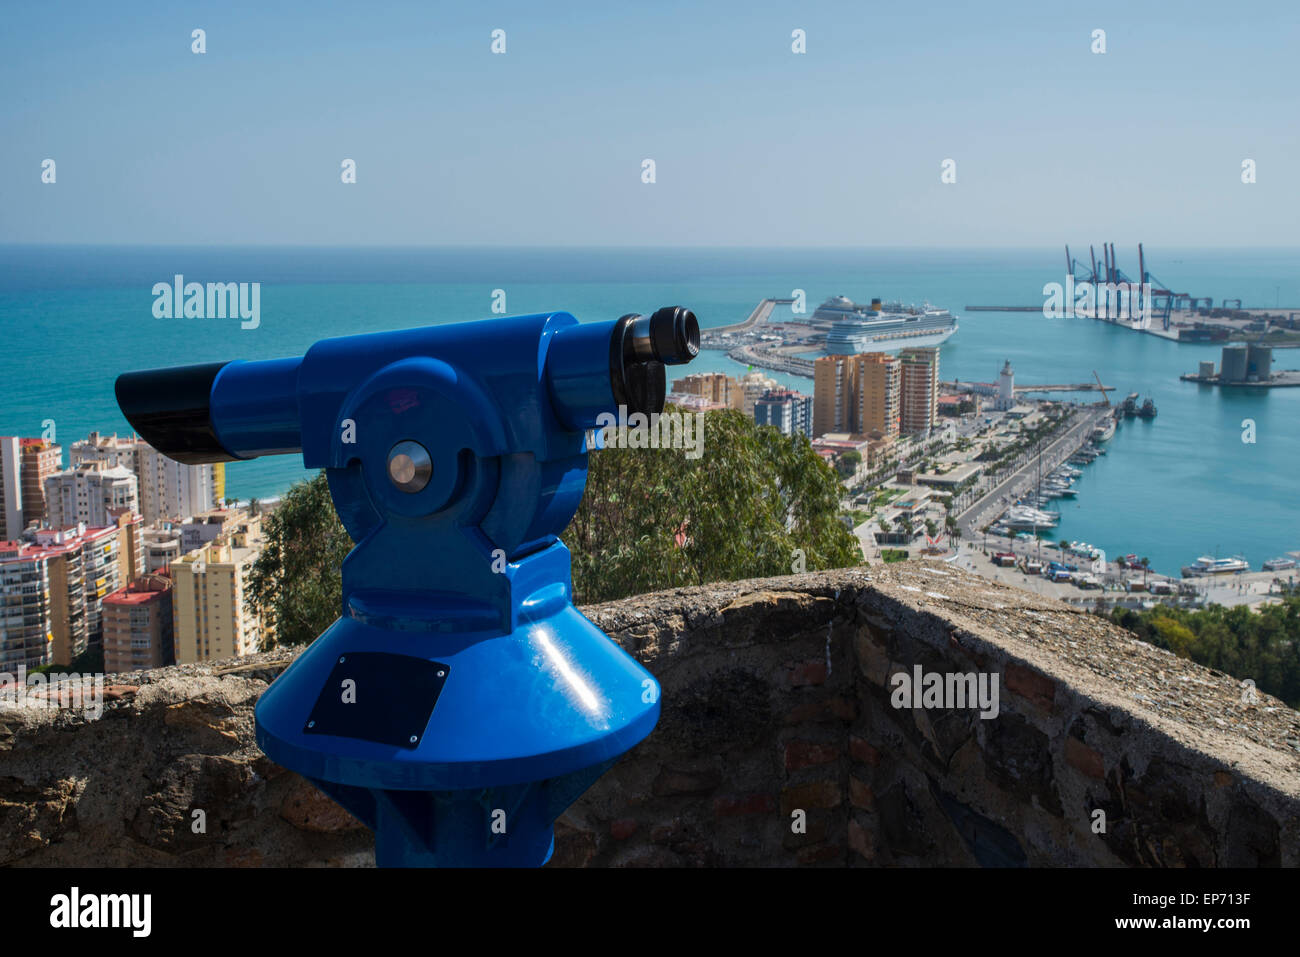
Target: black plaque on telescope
{"x":379,"y":697}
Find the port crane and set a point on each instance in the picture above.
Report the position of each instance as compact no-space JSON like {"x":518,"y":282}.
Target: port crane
{"x":1101,"y":388}
{"x":1163,"y":300}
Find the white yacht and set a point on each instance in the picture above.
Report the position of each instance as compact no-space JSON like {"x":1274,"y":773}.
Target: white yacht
{"x":1205,"y":565}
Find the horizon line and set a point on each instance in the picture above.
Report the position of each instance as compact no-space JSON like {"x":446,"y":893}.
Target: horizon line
{"x":582,"y":246}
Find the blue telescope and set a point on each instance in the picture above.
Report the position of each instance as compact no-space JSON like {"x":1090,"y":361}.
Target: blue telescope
{"x":460,"y":703}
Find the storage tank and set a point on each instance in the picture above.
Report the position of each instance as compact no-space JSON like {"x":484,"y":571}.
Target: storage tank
{"x":1259,"y":361}
{"x":1207,"y":370}
{"x":1233,"y":366}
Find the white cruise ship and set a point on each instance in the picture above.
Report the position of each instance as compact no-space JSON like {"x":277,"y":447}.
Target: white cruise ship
{"x":880,"y":327}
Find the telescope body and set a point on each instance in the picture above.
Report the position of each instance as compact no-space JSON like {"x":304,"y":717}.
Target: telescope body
{"x":460,"y":702}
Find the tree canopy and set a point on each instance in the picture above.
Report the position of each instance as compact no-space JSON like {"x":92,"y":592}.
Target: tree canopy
{"x":295,"y":584}
{"x":656,"y":519}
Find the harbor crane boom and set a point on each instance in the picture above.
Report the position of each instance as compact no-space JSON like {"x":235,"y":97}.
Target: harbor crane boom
{"x":1101,"y":388}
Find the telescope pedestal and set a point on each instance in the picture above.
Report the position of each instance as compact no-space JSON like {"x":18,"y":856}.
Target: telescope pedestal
{"x":458,"y":748}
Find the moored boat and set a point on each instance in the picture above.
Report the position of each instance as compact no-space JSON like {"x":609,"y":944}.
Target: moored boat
{"x":1207,"y":566}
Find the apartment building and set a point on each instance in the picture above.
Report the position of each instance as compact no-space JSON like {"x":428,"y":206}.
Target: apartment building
{"x":25,"y":464}
{"x":920,"y":390}
{"x":167,"y":489}
{"x":162,"y":546}
{"x":92,"y":494}
{"x":718,"y":388}
{"x":138,"y":632}
{"x":200,"y":529}
{"x":211,"y":618}
{"x":856,"y":394}
{"x":753,"y":385}
{"x":11,"y":489}
{"x":40,"y":460}
{"x":877,"y":387}
{"x":52,"y":589}
{"x":788,"y":411}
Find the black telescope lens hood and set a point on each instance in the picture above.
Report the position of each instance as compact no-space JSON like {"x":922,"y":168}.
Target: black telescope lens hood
{"x":171,"y":410}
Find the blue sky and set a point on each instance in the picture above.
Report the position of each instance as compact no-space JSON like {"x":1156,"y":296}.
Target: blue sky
{"x":753,"y":144}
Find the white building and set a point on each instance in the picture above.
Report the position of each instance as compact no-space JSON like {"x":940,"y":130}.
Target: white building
{"x":167,"y":488}
{"x":91,"y":493}
{"x":11,"y":489}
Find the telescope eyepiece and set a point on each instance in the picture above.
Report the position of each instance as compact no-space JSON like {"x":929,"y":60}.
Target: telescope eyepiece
{"x":676,"y":335}
{"x":670,"y":336}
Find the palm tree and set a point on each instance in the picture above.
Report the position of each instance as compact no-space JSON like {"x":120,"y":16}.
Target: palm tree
{"x":1063,"y":544}
{"x":1145,"y":563}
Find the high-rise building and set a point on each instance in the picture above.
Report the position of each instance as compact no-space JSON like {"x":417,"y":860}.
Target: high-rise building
{"x":856,"y":394}
{"x":11,"y":489}
{"x":211,"y":618}
{"x":877,"y":380}
{"x":25,"y":464}
{"x":920,"y":389}
{"x":167,"y":489}
{"x":41,"y":459}
{"x":25,"y":633}
{"x":138,"y":625}
{"x":790,"y":412}
{"x":92,"y":493}
{"x":52,"y":590}
{"x":831,"y":394}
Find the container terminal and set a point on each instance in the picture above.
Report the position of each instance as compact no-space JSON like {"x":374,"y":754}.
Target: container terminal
{"x":1159,"y":310}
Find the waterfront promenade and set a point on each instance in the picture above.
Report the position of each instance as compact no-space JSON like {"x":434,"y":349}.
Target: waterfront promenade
{"x":994,"y":502}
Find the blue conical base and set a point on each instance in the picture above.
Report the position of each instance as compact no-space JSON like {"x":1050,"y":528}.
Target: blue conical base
{"x":522,"y":723}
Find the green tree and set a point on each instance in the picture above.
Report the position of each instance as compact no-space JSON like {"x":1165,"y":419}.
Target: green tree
{"x":295,"y":584}
{"x":847,"y":464}
{"x":655,"y":519}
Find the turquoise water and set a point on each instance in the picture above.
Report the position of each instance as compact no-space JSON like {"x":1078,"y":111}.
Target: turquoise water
{"x":1173,"y":488}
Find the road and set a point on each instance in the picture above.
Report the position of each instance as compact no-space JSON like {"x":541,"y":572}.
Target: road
{"x":996,"y":501}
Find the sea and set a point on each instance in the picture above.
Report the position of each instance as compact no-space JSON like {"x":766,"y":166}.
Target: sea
{"x":1172,"y":488}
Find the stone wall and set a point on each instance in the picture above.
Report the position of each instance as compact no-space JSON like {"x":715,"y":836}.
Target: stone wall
{"x":778,"y":746}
